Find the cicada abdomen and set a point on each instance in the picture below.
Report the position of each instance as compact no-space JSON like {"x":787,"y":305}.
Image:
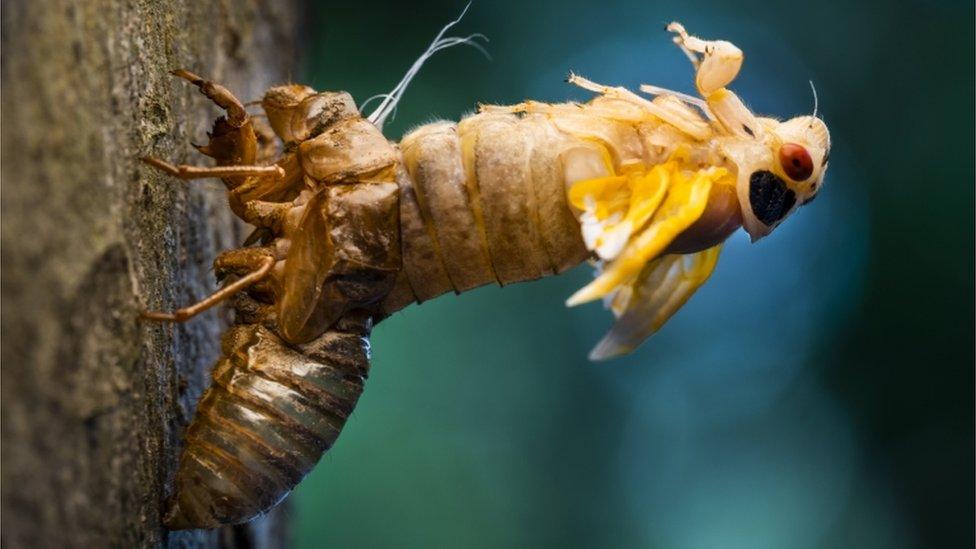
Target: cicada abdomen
{"x":484,"y":201}
{"x":271,"y":412}
{"x":352,"y":228}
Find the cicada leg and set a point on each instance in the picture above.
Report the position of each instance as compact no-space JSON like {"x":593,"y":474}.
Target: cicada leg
{"x":266,"y":214}
{"x":717,"y":63}
{"x":690,"y":45}
{"x":233,"y":142}
{"x":242,"y":262}
{"x":262,"y":264}
{"x":186,"y":172}
{"x":614,"y":92}
{"x":719,"y":60}
{"x":683,"y":119}
{"x":236,"y":113}
{"x":246,"y":154}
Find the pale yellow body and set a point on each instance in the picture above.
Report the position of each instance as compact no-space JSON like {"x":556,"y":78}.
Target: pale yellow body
{"x":485,"y":200}
{"x":647,"y":188}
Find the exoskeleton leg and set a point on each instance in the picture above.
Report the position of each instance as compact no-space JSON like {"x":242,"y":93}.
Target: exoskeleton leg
{"x":233,"y":142}
{"x":236,"y":114}
{"x":256,"y":305}
{"x":241,"y":261}
{"x":266,"y":214}
{"x":263,"y":263}
{"x":186,"y":172}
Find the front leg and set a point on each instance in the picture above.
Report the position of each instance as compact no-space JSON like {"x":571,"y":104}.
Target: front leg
{"x":717,"y":63}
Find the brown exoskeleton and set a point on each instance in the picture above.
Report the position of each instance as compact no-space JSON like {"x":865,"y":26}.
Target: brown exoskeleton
{"x":352,"y":228}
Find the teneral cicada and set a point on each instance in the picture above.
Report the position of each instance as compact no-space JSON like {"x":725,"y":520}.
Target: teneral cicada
{"x":351,"y":227}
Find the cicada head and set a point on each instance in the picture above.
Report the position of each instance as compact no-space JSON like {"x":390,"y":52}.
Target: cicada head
{"x":779,"y":172}
{"x":297,"y":113}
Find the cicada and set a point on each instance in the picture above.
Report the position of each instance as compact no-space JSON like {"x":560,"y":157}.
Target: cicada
{"x":351,"y":227}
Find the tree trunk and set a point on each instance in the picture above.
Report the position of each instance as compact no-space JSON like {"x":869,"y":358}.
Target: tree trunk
{"x":94,"y":402}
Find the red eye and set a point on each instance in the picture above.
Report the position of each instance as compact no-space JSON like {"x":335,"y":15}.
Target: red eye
{"x":796,"y":161}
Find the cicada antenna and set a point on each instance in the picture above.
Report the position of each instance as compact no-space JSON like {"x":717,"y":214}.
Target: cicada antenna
{"x":390,"y":100}
{"x":815,"y":102}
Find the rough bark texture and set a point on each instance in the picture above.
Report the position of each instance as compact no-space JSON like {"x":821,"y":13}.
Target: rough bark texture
{"x":94,"y":402}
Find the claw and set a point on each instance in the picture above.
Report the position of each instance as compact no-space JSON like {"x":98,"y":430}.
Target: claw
{"x":187,"y":75}
{"x":236,"y":114}
{"x":161,"y":165}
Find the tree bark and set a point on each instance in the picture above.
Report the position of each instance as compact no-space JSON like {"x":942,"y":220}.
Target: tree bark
{"x":94,"y":402}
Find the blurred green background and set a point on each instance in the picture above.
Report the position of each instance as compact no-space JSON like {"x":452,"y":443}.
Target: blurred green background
{"x":818,"y":392}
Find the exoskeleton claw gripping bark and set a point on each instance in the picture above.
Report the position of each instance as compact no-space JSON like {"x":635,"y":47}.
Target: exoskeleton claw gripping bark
{"x":352,"y":228}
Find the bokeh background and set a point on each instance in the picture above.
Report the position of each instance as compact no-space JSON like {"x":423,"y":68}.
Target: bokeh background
{"x":817,"y":392}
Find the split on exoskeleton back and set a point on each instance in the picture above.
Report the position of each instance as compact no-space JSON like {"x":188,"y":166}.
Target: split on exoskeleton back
{"x":657,"y":227}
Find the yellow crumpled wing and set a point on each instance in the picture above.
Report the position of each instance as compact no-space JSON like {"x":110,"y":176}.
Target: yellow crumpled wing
{"x":647,"y":191}
{"x":686,"y":199}
{"x":663,"y":286}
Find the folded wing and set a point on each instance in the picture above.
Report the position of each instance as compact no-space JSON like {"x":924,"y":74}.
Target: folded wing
{"x":629,"y":220}
{"x":662,"y":287}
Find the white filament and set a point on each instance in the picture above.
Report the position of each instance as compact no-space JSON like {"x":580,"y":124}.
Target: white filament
{"x":392,"y":99}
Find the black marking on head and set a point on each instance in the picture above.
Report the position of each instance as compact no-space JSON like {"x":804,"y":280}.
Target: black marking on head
{"x":769,"y":197}
{"x":825,"y":159}
{"x":748,"y":130}
{"x":809,"y":199}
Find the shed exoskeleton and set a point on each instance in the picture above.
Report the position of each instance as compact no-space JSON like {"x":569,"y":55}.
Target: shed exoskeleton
{"x":351,"y":228}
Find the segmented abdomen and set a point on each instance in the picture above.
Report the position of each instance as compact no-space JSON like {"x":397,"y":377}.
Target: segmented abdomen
{"x":270,"y":413}
{"x":483,"y":201}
